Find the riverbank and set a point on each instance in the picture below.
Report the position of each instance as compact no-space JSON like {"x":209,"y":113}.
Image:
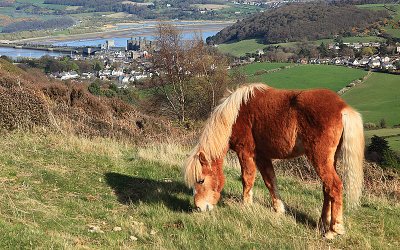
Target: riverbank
{"x":147,"y":28}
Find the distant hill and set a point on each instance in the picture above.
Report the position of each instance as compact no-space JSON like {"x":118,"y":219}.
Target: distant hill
{"x":296,"y":22}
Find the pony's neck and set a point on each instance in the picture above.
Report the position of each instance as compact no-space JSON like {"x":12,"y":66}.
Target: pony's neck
{"x":217,"y":168}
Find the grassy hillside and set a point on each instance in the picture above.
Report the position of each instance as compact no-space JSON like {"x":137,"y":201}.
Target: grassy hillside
{"x":306,"y":76}
{"x":378,"y":98}
{"x":60,"y":191}
{"x":242,"y":47}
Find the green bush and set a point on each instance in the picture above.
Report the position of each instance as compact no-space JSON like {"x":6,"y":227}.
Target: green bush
{"x":94,"y":88}
{"x":379,"y":151}
{"x":382,"y":123}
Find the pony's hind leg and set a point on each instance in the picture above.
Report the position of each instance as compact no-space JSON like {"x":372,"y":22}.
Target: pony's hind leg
{"x":268,"y":174}
{"x":325,"y":220}
{"x":333,"y":190}
{"x":249,"y":170}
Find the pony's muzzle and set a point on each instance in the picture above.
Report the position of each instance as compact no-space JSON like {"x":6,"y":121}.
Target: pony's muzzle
{"x":207,"y":207}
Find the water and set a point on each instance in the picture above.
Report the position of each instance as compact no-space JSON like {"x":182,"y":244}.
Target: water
{"x":18,"y":53}
{"x":122,"y":41}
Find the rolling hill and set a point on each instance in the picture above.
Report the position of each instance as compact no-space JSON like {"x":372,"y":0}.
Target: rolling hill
{"x":297,"y":22}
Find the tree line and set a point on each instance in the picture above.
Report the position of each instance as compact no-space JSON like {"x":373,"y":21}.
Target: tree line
{"x":180,"y":9}
{"x":54,"y":23}
{"x":297,"y":22}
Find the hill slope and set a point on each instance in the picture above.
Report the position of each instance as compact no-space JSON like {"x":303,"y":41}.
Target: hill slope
{"x":298,"y":22}
{"x":28,"y":99}
{"x":61,"y":191}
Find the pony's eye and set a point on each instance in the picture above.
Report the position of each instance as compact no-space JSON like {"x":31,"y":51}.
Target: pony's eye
{"x":200,"y":181}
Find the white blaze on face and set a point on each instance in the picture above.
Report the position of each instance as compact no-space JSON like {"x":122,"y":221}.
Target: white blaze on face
{"x":194,"y":191}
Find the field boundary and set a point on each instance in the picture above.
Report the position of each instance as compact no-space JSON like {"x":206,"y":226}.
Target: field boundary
{"x":354,"y":83}
{"x":269,"y":71}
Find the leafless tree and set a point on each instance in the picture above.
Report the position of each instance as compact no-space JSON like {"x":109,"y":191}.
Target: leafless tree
{"x":189,"y":76}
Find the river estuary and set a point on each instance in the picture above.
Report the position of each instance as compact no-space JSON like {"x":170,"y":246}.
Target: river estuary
{"x":119,"y":33}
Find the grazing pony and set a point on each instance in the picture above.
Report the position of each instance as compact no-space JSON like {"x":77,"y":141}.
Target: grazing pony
{"x":261,"y":123}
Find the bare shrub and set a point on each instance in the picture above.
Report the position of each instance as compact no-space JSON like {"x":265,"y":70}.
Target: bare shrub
{"x":370,"y":125}
{"x":22,"y":108}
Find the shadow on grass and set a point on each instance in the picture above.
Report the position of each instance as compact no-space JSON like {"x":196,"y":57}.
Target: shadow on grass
{"x":301,"y":217}
{"x":131,"y":189}
{"x":298,"y":215}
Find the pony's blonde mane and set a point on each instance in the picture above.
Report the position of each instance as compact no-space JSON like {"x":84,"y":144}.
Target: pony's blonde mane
{"x":217,"y":131}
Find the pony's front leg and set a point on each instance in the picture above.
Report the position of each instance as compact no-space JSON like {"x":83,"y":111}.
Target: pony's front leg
{"x":249,"y":170}
{"x":268,"y":173}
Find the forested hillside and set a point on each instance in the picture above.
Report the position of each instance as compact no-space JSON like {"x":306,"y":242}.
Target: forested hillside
{"x":298,"y":22}
{"x":54,"y":23}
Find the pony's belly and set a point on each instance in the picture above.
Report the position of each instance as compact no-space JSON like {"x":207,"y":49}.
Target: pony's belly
{"x":285,"y":151}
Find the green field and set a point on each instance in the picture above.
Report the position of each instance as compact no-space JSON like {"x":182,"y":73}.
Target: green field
{"x":378,"y":98}
{"x":307,"y":76}
{"x":252,"y":45}
{"x":64,"y":192}
{"x":242,"y":47}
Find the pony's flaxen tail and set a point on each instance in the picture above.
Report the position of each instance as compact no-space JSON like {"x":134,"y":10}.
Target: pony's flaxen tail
{"x":353,"y":155}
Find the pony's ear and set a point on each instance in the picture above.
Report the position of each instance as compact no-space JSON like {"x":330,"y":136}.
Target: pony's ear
{"x":203,"y":159}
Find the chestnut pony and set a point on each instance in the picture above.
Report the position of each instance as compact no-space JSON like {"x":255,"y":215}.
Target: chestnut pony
{"x":261,"y":123}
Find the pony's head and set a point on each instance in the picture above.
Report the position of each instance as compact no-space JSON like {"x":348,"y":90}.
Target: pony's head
{"x":206,"y":178}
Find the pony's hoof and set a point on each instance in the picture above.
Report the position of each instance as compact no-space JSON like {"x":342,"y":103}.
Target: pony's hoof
{"x":330,"y":235}
{"x":339,"y":228}
{"x":279,"y":207}
{"x":248,"y":202}
{"x":323,"y":226}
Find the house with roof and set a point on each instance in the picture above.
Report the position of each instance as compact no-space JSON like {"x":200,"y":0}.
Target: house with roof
{"x":364,"y":61}
{"x":388,"y":66}
{"x":354,"y":62}
{"x":68,"y":75}
{"x":374,"y":64}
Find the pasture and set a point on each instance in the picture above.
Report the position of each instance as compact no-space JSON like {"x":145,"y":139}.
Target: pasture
{"x":305,"y":76}
{"x":61,"y":191}
{"x":240,"y":48}
{"x":377,"y":98}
